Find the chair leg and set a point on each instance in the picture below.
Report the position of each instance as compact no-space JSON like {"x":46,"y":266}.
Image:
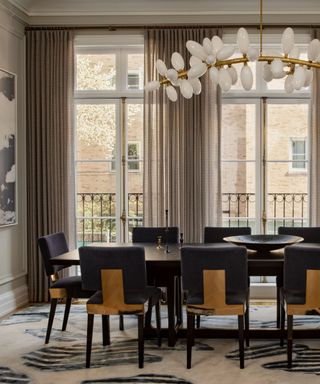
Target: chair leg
{"x":190,"y":338}
{"x":289,"y":339}
{"x":282,"y":321}
{"x":278,"y":283}
{"x":241,"y":340}
{"x":247,"y":325}
{"x":66,"y":313}
{"x":148,"y":314}
{"x":89,"y":339}
{"x":198,"y":321}
{"x":121,"y":324}
{"x":51,"y":317}
{"x":140,"y":340}
{"x":178,"y":297}
{"x":105,"y":330}
{"x":158,"y":321}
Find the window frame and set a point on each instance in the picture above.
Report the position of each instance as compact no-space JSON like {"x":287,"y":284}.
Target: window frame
{"x":122,"y":46}
{"x":121,"y":61}
{"x":256,"y":96}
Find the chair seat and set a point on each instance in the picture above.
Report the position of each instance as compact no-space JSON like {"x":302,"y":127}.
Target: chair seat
{"x":73,"y":286}
{"x":133,"y":297}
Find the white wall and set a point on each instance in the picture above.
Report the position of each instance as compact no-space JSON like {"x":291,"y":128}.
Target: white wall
{"x":13,"y":263}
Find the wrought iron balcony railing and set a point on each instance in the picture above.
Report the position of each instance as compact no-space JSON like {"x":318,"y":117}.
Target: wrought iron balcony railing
{"x":96,"y":216}
{"x":96,"y":212}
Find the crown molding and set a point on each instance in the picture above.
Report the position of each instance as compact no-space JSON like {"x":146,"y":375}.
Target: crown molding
{"x":147,"y":12}
{"x":15,"y":13}
{"x":163,"y":7}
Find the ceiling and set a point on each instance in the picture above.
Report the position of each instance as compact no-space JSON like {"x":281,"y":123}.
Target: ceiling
{"x":209,"y":11}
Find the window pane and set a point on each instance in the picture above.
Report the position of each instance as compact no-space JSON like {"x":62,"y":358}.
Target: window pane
{"x":238,"y":131}
{"x":135,"y":167}
{"x":238,"y":189}
{"x":285,"y":121}
{"x":96,"y":131}
{"x":133,"y":154}
{"x":135,"y":197}
{"x":95,"y":177}
{"x":135,"y":71}
{"x":96,"y":203}
{"x":288,"y":200}
{"x":135,"y":129}
{"x":96,"y":72}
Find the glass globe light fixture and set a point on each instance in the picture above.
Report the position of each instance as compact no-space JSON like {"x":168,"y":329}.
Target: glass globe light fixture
{"x":213,"y":56}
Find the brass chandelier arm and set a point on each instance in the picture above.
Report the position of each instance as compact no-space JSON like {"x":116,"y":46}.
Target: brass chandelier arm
{"x":238,"y":60}
{"x":184,"y":74}
{"x":290,"y":60}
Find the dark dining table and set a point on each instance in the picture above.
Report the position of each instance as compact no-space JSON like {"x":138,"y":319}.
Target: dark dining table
{"x":163,"y":268}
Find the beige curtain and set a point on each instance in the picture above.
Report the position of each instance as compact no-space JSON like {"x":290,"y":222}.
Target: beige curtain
{"x":49,"y":74}
{"x":181,"y":144}
{"x":315,"y":147}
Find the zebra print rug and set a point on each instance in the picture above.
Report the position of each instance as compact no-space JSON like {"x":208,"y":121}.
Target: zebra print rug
{"x":25,"y":359}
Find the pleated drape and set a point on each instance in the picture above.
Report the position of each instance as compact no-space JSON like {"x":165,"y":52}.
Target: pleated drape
{"x":181,"y":144}
{"x":49,"y":86}
{"x":315,"y":146}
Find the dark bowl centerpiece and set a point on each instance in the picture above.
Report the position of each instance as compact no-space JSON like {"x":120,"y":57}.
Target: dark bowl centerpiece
{"x":264,"y":242}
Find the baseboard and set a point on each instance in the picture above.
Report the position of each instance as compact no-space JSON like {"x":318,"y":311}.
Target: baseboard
{"x":9,"y":301}
{"x":263,"y":291}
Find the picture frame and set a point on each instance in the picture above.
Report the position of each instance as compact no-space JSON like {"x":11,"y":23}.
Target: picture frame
{"x":8,"y":148}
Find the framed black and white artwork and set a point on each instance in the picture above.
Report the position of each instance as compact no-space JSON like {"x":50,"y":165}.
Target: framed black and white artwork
{"x":8,"y":143}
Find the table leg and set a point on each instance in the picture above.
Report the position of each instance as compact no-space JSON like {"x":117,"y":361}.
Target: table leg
{"x":179,"y":298}
{"x":171,"y":313}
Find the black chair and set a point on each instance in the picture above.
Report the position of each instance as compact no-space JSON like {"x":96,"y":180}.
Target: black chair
{"x":161,"y":235}
{"x":216,"y":281}
{"x":309,"y":234}
{"x":216,"y":234}
{"x":59,"y":288}
{"x":119,"y":276}
{"x":301,"y":289}
{"x":154,"y":234}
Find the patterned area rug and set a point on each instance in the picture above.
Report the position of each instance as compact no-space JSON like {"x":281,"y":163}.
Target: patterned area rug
{"x":24,"y":358}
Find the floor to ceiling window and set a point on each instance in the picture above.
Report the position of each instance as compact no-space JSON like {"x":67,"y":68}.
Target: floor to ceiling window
{"x":108,"y":119}
{"x":265,"y":158}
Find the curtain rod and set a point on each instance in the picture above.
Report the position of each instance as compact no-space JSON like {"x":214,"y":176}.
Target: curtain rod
{"x":175,"y":26}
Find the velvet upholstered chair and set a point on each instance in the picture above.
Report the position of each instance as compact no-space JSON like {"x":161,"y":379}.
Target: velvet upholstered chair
{"x":216,"y":234}
{"x":59,"y":288}
{"x":301,"y":289}
{"x":119,"y":276}
{"x":156,"y":235}
{"x":152,"y":234}
{"x":216,"y":281}
{"x":309,"y":234}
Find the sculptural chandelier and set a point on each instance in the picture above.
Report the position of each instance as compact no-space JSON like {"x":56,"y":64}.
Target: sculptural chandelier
{"x":213,"y":56}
